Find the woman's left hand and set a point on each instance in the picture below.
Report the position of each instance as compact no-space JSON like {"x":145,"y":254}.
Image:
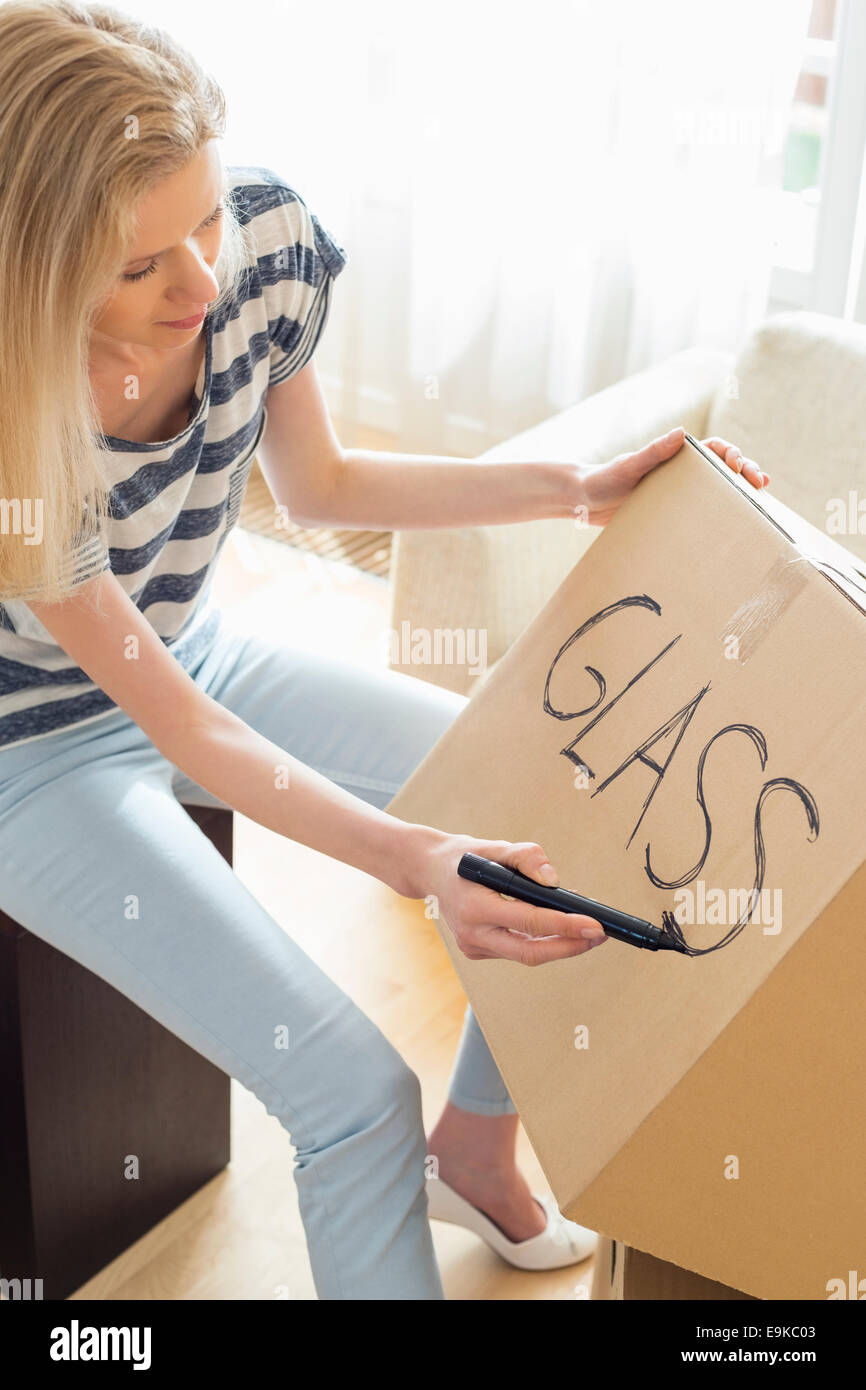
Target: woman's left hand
{"x":604,"y":489}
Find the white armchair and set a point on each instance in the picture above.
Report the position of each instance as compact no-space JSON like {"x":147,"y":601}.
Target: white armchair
{"x":794,"y":399}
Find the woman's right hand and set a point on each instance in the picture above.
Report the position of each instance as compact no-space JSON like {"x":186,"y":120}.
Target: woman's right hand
{"x":486,"y":924}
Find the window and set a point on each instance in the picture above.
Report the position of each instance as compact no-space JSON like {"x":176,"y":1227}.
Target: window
{"x":815,"y":221}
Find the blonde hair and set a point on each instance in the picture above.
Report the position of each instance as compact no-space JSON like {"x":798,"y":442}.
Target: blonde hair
{"x":77,"y":81}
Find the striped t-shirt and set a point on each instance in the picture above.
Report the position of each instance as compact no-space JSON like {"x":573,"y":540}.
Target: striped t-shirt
{"x":173,"y":503}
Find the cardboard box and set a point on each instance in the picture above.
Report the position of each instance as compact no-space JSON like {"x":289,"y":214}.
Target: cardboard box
{"x":705,"y":662}
{"x":621,"y":1273}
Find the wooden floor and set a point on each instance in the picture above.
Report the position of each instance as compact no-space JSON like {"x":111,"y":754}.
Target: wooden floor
{"x":241,"y":1236}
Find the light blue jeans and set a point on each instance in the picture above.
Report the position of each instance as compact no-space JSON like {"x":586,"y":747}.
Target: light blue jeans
{"x":92,"y":820}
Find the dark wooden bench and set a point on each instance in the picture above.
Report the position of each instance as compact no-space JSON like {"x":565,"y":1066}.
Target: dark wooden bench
{"x":86,"y":1077}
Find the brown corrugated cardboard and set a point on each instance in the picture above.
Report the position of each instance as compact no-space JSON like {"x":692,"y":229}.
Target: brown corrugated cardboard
{"x":685,"y":717}
{"x":621,"y":1273}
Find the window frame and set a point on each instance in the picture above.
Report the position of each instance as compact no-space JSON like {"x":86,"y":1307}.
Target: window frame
{"x":832,"y":284}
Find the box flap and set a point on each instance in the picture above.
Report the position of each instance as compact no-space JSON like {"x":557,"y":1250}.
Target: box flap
{"x":779,"y":1095}
{"x":839,"y":566}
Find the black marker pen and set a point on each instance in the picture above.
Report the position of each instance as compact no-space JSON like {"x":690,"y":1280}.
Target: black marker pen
{"x":620,"y":925}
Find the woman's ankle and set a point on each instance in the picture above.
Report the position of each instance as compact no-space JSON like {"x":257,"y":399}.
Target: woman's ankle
{"x":482,"y":1143}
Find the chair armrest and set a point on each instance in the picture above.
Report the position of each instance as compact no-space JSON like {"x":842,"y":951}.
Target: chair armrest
{"x":481,"y":586}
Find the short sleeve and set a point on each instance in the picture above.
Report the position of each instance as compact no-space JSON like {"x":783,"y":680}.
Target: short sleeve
{"x":298,"y":261}
{"x":87,"y":556}
{"x":86,"y":560}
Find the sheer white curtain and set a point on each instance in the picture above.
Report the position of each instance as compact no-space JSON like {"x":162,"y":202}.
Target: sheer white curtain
{"x":536,"y":199}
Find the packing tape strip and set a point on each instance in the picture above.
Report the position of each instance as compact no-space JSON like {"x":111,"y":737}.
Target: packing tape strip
{"x":747,"y":627}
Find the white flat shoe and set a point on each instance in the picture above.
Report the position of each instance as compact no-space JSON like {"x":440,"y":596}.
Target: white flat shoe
{"x":561,"y":1243}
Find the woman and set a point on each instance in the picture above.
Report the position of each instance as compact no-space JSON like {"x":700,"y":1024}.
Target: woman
{"x":160,"y":315}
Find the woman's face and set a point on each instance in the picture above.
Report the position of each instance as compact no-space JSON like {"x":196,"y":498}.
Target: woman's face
{"x":168,"y":280}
